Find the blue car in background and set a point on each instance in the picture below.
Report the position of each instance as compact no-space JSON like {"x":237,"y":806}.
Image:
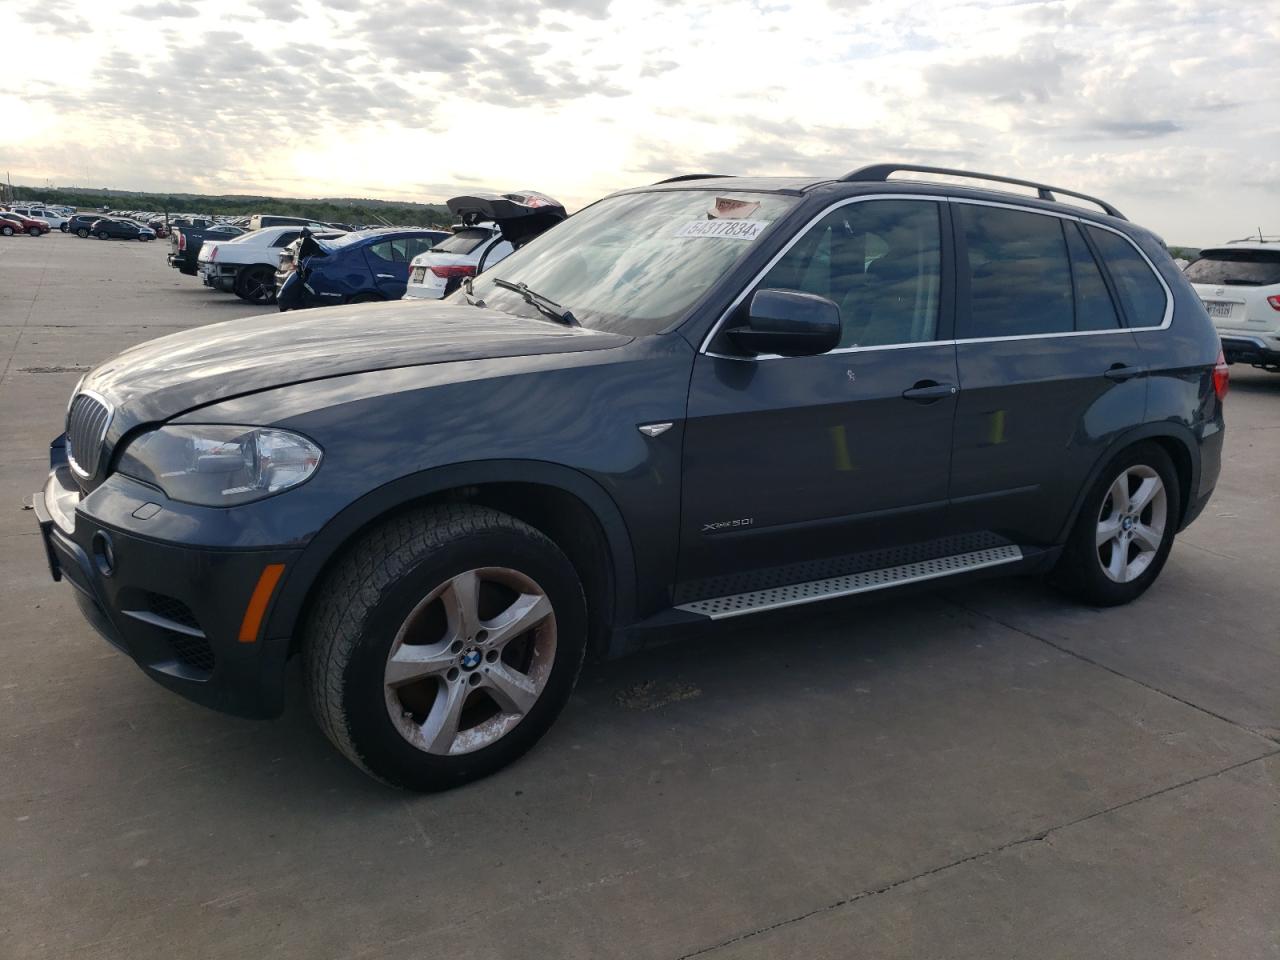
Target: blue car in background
{"x":356,"y":267}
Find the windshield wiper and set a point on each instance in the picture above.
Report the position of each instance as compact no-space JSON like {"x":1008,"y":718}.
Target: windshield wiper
{"x":471,"y":297}
{"x":545,"y":305}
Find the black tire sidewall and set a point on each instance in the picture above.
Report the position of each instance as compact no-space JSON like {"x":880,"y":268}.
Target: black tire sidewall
{"x":1084,"y":573}
{"x":83,"y":233}
{"x":242,"y":284}
{"x":381,"y":747}
{"x":7,"y":231}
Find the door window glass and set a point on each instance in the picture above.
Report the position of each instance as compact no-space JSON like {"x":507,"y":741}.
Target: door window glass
{"x":388,"y":251}
{"x":1141,"y":294}
{"x":879,"y":261}
{"x":1019,"y":279}
{"x":1094,"y":309}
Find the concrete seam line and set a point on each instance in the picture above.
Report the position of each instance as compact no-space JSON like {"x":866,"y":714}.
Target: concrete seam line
{"x":1112,"y":670}
{"x":1033,"y":838}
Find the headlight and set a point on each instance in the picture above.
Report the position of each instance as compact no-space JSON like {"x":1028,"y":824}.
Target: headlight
{"x":220,"y":466}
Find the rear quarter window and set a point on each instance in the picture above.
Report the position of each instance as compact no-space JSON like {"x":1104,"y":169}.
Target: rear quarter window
{"x":1141,"y":293}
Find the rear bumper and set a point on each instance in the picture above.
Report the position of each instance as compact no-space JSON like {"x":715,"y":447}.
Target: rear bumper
{"x":175,"y":610}
{"x":1249,"y":348}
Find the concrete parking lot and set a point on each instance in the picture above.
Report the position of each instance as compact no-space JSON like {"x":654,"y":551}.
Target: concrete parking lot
{"x":981,"y":773}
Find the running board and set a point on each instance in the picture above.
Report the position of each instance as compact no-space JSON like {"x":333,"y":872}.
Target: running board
{"x":757,"y":601}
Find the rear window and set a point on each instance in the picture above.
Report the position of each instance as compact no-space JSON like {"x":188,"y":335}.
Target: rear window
{"x":1236,"y":268}
{"x":464,"y":241}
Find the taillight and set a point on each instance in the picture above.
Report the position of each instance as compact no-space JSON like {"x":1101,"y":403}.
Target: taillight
{"x":213,"y":254}
{"x":454,"y":270}
{"x":182,"y":242}
{"x":1274,"y":302}
{"x":1221,"y":377}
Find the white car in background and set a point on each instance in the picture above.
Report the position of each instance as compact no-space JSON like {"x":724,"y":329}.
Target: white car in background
{"x":441,"y":270}
{"x":1239,"y":283}
{"x":246,"y":265}
{"x":491,"y":225}
{"x":55,"y":220}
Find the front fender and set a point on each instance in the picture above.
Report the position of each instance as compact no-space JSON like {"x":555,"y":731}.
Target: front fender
{"x":329,"y":542}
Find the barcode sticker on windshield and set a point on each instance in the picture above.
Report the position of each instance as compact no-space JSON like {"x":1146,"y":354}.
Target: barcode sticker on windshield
{"x":724,"y":229}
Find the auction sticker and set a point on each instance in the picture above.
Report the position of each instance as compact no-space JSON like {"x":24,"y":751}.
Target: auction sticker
{"x":724,"y":229}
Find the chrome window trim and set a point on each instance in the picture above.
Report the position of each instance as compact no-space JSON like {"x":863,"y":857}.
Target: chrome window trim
{"x":737,"y":301}
{"x":106,"y":425}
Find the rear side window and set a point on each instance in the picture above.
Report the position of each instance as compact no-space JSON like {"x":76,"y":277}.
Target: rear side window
{"x":391,"y":251}
{"x":1141,"y":294}
{"x":416,"y":245}
{"x":1094,"y":309}
{"x":1236,"y":268}
{"x":1019,"y":275}
{"x":287,"y":238}
{"x":464,"y":241}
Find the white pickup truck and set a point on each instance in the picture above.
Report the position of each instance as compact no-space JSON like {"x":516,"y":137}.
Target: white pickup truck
{"x":246,"y":265}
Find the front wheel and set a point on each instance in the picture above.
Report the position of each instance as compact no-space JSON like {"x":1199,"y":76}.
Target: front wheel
{"x":1125,"y":530}
{"x":34,"y":231}
{"x":256,"y":284}
{"x":444,"y":645}
{"x":7,"y":231}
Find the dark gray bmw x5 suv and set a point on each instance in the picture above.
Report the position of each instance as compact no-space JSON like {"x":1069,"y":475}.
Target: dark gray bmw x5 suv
{"x":695,"y":400}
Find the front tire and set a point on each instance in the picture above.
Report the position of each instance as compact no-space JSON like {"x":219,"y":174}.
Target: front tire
{"x":1125,"y":530}
{"x":7,"y":231}
{"x":444,"y":645}
{"x":256,"y":284}
{"x":34,"y":231}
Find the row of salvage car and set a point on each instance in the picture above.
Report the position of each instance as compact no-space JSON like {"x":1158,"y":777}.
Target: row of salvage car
{"x":303,"y":264}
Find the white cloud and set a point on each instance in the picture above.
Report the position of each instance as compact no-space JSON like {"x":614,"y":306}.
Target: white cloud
{"x":1169,"y":108}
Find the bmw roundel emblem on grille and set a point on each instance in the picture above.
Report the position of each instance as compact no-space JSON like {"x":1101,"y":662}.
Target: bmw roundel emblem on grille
{"x":87,"y":423}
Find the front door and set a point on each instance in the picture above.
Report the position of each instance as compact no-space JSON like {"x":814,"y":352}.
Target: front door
{"x":789,"y":460}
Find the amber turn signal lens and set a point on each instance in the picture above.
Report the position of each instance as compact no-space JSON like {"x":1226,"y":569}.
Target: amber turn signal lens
{"x":257,"y":607}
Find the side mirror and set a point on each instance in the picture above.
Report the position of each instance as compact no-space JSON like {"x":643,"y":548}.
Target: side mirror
{"x":789,"y":323}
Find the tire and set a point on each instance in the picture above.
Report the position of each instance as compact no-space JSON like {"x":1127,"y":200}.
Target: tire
{"x":399,"y":581}
{"x":103,"y":235}
{"x":1110,"y":558}
{"x":367,"y":298}
{"x":34,"y":231}
{"x":256,"y":284}
{"x":63,"y":227}
{"x":7,"y":231}
{"x":83,"y":233}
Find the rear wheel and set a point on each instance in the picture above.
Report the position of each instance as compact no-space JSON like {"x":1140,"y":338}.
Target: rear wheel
{"x":1125,"y":530}
{"x":83,"y":233}
{"x":444,"y":645}
{"x":62,"y":227}
{"x":257,"y":284}
{"x":103,"y":235}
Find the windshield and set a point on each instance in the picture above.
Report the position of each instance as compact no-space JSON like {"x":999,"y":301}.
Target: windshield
{"x":633,"y":264}
{"x":1236,"y":268}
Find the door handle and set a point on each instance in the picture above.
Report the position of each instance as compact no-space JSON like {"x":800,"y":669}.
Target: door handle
{"x":928,"y":391}
{"x":1120,"y":372}
{"x":386,"y":276}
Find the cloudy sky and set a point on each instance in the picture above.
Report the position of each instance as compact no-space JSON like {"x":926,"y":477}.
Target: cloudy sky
{"x":1169,"y":108}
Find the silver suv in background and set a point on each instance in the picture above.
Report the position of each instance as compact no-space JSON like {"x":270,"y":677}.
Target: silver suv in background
{"x":1239,"y":283}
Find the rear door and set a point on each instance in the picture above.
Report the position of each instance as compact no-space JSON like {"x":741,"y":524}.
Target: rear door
{"x":795,"y":467}
{"x":389,"y":265}
{"x":1049,"y":373}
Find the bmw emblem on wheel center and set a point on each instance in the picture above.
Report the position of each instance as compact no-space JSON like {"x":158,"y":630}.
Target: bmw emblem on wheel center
{"x":471,"y":659}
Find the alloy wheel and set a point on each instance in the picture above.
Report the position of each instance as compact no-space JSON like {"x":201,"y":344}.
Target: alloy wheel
{"x":1131,"y":523}
{"x":470,"y":661}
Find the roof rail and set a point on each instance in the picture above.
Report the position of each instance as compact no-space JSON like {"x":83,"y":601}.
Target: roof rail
{"x":879,"y":172}
{"x":692,"y":176}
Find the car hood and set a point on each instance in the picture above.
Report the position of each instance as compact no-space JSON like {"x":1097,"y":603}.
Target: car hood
{"x":174,"y":374}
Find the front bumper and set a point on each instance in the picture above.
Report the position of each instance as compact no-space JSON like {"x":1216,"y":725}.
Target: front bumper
{"x":1249,"y":348}
{"x":176,"y":610}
